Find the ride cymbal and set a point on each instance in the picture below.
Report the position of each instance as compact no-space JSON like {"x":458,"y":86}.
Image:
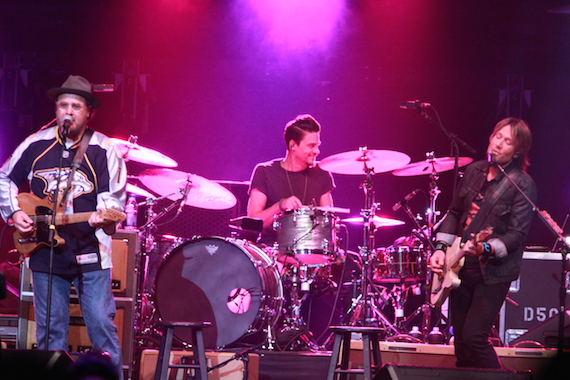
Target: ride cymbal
{"x":202,"y":193}
{"x":355,"y":162}
{"x":431,"y":165}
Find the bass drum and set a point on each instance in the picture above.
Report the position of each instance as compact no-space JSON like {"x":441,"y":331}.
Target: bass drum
{"x":231,"y":283}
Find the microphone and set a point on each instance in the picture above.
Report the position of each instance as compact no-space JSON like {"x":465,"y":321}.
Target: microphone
{"x":65,"y":123}
{"x":405,"y":200}
{"x":491,"y":158}
{"x":414,"y":105}
{"x":184,"y":196}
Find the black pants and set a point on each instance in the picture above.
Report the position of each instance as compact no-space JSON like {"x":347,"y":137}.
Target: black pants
{"x":474,"y":307}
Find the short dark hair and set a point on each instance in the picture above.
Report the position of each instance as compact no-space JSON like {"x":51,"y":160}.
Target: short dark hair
{"x":522,"y":138}
{"x":297,"y":128}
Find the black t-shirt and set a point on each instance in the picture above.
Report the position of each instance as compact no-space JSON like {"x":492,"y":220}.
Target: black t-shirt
{"x":277,"y":183}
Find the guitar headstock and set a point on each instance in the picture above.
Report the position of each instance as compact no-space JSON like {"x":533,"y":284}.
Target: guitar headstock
{"x":113,"y":215}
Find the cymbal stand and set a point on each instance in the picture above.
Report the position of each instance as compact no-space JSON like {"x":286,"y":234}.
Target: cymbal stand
{"x":425,"y":309}
{"x":434,"y":192}
{"x":364,"y":310}
{"x":144,"y":325}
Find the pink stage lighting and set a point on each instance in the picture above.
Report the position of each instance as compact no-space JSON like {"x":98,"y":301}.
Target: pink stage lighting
{"x":298,"y":24}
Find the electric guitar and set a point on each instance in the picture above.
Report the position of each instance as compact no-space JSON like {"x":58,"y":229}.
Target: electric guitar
{"x":40,"y":211}
{"x":441,"y":285}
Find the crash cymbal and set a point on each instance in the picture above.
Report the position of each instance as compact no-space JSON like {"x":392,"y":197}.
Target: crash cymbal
{"x":202,"y":193}
{"x":377,"y":221}
{"x":431,"y":165}
{"x":134,"y":152}
{"x":230,"y":182}
{"x":353,"y":162}
{"x":133,"y":189}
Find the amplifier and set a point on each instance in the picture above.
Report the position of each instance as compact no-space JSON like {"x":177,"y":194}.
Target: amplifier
{"x":124,"y":282}
{"x":533,"y":298}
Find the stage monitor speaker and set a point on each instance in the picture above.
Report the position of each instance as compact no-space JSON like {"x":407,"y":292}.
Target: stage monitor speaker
{"x":546,"y":333}
{"x":396,"y":372}
{"x":534,"y":296}
{"x":34,"y":364}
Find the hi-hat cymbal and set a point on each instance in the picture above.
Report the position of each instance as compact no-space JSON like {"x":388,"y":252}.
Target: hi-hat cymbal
{"x":133,"y":189}
{"x":354,"y":162}
{"x":431,"y":165}
{"x":377,"y":221}
{"x":202,"y":193}
{"x":134,"y":152}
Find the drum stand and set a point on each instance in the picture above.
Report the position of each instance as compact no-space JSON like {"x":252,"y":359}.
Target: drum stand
{"x":364,"y":310}
{"x":293,"y":333}
{"x":145,"y":313}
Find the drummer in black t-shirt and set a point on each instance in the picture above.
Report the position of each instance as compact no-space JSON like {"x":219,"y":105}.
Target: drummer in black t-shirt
{"x":293,"y":182}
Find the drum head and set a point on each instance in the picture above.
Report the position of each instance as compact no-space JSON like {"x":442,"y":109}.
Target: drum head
{"x":213,"y":280}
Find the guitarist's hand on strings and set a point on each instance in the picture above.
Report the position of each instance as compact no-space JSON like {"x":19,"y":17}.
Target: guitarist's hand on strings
{"x":477,"y":248}
{"x":22,"y":222}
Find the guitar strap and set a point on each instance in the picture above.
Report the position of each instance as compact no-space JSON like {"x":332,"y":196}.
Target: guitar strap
{"x":477,"y":222}
{"x":77,"y":161}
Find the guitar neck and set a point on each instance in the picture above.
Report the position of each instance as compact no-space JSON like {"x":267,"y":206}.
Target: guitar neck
{"x":63,"y":219}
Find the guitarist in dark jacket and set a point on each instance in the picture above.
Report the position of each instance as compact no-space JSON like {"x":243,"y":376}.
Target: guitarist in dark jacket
{"x":490,"y":265}
{"x":45,"y":160}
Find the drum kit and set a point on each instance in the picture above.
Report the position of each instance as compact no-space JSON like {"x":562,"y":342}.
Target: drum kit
{"x":253,"y":294}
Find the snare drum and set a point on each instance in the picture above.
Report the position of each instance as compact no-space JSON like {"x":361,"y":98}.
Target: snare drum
{"x":306,"y":236}
{"x":394,"y":264}
{"x":228,"y":282}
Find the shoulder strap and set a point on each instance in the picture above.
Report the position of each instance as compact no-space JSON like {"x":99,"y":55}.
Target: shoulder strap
{"x":77,"y":161}
{"x":477,"y":222}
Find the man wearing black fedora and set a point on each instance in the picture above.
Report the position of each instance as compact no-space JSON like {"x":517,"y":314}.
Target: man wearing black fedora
{"x":88,"y":174}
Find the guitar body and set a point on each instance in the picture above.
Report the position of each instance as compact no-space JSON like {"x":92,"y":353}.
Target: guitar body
{"x":40,"y":210}
{"x":30,"y":242}
{"x":441,"y":285}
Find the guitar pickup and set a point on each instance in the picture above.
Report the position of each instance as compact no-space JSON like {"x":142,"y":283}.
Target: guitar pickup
{"x":31,"y":239}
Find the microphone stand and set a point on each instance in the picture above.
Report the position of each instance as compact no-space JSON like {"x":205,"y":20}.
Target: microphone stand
{"x":51,"y":239}
{"x":556,"y":230}
{"x":455,"y":143}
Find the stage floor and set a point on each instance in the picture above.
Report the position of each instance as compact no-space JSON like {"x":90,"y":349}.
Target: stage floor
{"x":275,"y":365}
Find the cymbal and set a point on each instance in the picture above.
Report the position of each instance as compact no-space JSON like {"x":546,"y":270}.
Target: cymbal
{"x":430,"y":166}
{"x":202,"y":193}
{"x":336,"y":210}
{"x":231,"y":182}
{"x":377,"y":221}
{"x":353,"y":162}
{"x":133,"y":189}
{"x":134,"y":152}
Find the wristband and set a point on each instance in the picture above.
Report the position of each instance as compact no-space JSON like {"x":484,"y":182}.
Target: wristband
{"x":487,"y":249}
{"x":441,"y":246}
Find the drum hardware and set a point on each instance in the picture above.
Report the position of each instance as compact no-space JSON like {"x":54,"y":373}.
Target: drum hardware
{"x":145,"y":313}
{"x":365,"y":311}
{"x":293,"y":333}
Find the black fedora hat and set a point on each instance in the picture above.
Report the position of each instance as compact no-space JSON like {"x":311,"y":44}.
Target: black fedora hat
{"x":74,"y":84}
